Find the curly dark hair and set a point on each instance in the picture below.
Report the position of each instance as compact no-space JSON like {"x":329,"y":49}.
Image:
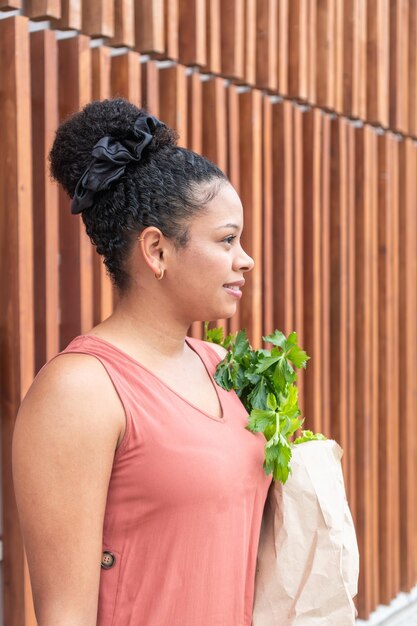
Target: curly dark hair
{"x":164,"y":189}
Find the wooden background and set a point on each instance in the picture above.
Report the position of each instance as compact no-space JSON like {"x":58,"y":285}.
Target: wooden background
{"x":310,"y":106}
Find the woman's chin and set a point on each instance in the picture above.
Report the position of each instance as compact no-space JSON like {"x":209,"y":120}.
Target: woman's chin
{"x":226,"y":312}
{"x":217,"y":312}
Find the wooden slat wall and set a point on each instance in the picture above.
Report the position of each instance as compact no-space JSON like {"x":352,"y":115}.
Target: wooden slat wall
{"x":408,"y":399}
{"x":310,"y":107}
{"x":402,"y":312}
{"x":17,"y":298}
{"x":44,"y":71}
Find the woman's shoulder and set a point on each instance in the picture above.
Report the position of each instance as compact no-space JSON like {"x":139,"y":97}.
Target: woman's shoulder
{"x":72,"y":388}
{"x":209,"y":347}
{"x":217,"y":348}
{"x":67,"y":371}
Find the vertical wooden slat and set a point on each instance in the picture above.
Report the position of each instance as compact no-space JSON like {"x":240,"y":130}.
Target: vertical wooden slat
{"x":388,"y":373}
{"x":195,"y":112}
{"x":171,"y":29}
{"x":250,"y":109}
{"x":150,"y":26}
{"x":407,"y":349}
{"x":173,"y":99}
{"x":98,"y":18}
{"x":412,"y":74}
{"x":312,"y":51}
{"x":393,"y":334}
{"x":76,"y":271}
{"x":331,"y":57}
{"x":278,"y":222}
{"x":213,"y":26}
{"x":192,"y":32}
{"x":294,"y":46}
{"x":383,"y":60}
{"x":402,"y":71}
{"x":150,"y":87}
{"x":372,"y":361}
{"x":213,"y":126}
{"x":101,"y":68}
{"x":5,"y":5}
{"x":338,"y":304}
{"x":325,"y":53}
{"x":377,"y":82}
{"x":101,"y":89}
{"x":325,"y":271}
{"x":268,"y":218}
{"x":344,"y":25}
{"x":293,"y":17}
{"x":321,"y":53}
{"x":372,"y":59}
{"x":311,"y":208}
{"x":282,"y":51}
{"x":71,"y":15}
{"x":278,"y":187}
{"x":350,"y":182}
{"x":393,"y":62}
{"x":304,"y":64}
{"x":233,"y":136}
{"x":16,"y":304}
{"x":44,"y":70}
{"x":250,"y":42}
{"x":124,"y":23}
{"x":126,"y":77}
{"x":361,"y":391}
{"x":232,"y":38}
{"x":359,"y":60}
{"x":313,"y":236}
{"x":303,"y":193}
{"x":385,"y":482}
{"x":288,"y":178}
{"x":43,"y":9}
{"x":266,"y":44}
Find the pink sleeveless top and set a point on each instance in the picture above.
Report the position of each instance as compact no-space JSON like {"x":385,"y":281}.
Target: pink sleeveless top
{"x":184,"y":504}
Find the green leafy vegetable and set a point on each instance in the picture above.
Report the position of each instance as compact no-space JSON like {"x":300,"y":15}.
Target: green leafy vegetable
{"x":307,"y":435}
{"x":265,"y":381}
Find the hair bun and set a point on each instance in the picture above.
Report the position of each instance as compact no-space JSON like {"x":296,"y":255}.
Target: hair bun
{"x":75,"y":139}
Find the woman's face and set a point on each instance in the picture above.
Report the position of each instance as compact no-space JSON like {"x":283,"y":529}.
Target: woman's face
{"x":207,"y":275}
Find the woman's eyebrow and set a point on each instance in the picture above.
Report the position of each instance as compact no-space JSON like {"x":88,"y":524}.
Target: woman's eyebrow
{"x":227,"y":226}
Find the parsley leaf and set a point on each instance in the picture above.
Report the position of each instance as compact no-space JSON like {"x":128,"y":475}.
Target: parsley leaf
{"x":265,"y":380}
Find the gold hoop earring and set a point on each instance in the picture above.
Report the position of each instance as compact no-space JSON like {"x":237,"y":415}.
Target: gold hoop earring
{"x":161,"y":275}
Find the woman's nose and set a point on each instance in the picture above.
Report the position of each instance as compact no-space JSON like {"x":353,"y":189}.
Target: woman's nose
{"x":244,"y":262}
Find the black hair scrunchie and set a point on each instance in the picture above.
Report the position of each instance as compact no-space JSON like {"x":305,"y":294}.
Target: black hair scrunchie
{"x":109,"y":159}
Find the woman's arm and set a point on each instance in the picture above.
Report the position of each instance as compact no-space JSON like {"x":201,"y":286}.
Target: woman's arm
{"x":65,"y":437}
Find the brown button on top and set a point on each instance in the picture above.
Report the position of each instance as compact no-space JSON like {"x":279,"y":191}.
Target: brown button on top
{"x":107,"y":560}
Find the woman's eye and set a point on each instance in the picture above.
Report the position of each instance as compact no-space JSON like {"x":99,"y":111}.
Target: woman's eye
{"x":229,"y":239}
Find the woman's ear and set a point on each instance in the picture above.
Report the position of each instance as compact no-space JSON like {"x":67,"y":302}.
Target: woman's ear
{"x":153,"y":247}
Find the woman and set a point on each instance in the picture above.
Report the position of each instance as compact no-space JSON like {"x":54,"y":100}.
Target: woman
{"x":126,"y":452}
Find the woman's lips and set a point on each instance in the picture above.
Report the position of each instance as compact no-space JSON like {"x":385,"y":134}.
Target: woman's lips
{"x":233,"y":291}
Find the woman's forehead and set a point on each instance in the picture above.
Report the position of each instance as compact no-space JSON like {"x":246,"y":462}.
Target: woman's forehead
{"x":225,"y":209}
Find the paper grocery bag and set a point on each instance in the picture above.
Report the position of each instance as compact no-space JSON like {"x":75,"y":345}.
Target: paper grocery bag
{"x":308,"y":560}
